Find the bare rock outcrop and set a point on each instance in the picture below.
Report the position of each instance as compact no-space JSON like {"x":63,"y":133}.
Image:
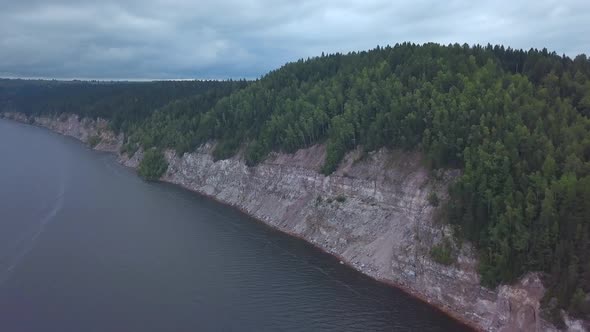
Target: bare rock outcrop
{"x":374,"y":214}
{"x":81,"y":129}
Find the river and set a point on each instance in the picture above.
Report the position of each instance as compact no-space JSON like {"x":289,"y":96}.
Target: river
{"x":86,"y":245}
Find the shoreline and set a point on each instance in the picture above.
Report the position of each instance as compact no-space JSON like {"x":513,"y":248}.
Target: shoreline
{"x":384,"y":282}
{"x":383,"y":229}
{"x":381,"y":281}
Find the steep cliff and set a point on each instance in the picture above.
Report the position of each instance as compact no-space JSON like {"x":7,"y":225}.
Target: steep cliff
{"x":374,"y":213}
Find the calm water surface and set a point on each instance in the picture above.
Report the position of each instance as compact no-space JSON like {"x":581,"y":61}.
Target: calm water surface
{"x":85,"y":245}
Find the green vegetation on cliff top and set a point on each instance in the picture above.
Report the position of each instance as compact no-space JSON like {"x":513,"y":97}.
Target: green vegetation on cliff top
{"x":153,"y":165}
{"x":515,"y":121}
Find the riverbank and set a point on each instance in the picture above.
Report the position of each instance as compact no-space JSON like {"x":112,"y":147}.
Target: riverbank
{"x":373,"y":213}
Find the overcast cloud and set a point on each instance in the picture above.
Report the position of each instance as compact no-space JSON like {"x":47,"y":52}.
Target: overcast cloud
{"x":163,"y":39}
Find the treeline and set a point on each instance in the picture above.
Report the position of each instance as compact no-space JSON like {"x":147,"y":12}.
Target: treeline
{"x":515,"y":121}
{"x":125,"y":104}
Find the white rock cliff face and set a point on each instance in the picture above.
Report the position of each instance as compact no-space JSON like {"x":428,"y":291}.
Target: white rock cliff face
{"x":373,"y":213}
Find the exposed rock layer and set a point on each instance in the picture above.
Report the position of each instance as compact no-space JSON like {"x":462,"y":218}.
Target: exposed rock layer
{"x":373,"y":213}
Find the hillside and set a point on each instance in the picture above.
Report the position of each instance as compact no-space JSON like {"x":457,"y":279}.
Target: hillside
{"x":516,"y":123}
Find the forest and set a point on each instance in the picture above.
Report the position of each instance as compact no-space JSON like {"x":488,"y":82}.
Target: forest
{"x":125,"y":104}
{"x":515,"y":121}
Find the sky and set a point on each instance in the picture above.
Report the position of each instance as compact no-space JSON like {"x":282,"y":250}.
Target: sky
{"x":186,"y":39}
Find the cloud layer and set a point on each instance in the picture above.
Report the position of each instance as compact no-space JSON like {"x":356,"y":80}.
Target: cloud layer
{"x":162,"y":39}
